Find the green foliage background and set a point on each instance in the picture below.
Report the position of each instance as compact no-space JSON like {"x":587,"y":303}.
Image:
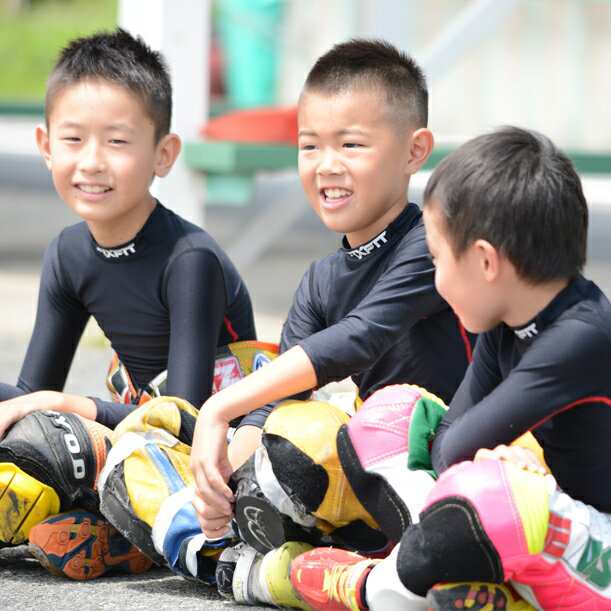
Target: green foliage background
{"x":31,"y":39}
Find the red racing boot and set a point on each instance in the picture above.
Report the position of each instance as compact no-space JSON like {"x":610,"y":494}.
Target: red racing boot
{"x":332,"y":579}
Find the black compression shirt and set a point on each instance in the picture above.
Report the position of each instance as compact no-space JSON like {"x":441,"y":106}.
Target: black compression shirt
{"x":373,"y":313}
{"x":553,"y":377}
{"x":171,"y":277}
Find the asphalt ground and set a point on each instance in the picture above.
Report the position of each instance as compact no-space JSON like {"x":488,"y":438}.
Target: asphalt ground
{"x":27,"y":586}
{"x":30,"y":215}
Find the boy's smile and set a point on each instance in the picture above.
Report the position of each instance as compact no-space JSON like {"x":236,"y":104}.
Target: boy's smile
{"x":100,"y":148}
{"x":353,"y":161}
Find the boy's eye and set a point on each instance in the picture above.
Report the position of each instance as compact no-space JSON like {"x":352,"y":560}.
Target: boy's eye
{"x":71,"y":139}
{"x":117,"y":141}
{"x":306,"y":147}
{"x":352,"y":145}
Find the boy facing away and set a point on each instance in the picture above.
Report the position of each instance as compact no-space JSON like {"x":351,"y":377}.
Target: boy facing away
{"x":161,"y":289}
{"x":506,"y":224}
{"x":370,"y":310}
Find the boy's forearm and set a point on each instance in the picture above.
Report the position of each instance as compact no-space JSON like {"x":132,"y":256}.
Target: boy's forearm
{"x":52,"y":400}
{"x":83,"y":406}
{"x":289,"y":374}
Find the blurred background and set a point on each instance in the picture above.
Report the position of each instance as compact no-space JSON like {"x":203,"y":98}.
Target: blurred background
{"x":542,"y":64}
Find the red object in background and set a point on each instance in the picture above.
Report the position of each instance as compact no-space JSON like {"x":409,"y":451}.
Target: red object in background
{"x":278,"y":125}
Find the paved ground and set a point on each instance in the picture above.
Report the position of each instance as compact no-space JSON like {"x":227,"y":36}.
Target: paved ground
{"x":26,"y":586}
{"x":30,"y":214}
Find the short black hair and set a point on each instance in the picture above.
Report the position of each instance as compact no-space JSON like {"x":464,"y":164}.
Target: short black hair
{"x":515,"y":189}
{"x":374,"y":64}
{"x":119,"y":58}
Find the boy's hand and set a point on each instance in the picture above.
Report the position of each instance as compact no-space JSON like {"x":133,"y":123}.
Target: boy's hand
{"x":211,"y":470}
{"x":521,"y":457}
{"x":213,"y":524}
{"x":8,"y":416}
{"x":15,"y":409}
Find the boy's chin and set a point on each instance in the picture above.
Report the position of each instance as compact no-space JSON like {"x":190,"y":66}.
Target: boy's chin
{"x":478,"y":326}
{"x":334,"y":224}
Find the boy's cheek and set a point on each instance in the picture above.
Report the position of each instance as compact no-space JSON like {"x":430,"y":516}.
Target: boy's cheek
{"x":440,"y":281}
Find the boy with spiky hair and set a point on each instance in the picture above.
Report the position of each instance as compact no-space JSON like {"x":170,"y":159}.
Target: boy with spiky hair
{"x":161,"y":289}
{"x":370,"y":310}
{"x":506,"y":223}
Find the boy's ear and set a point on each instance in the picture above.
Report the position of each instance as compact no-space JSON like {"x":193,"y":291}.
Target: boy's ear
{"x":489,"y":259}
{"x":168,"y":149}
{"x":421,"y":144}
{"x":42,"y":141}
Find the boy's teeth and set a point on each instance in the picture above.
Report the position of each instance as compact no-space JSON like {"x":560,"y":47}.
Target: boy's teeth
{"x":93,"y":188}
{"x":336,"y":193}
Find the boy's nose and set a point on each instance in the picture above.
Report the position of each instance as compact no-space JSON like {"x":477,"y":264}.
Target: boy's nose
{"x":330,"y":164}
{"x":92,"y":159}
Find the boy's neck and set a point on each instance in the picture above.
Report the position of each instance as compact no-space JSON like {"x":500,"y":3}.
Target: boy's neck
{"x":357,"y":238}
{"x":124,"y":228}
{"x":527,"y":300}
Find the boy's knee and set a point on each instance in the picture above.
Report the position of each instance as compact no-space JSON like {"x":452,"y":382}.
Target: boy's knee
{"x":482,"y":522}
{"x":373,"y":448}
{"x":298,"y":471}
{"x":63,"y":451}
{"x":162,"y":415}
{"x":448,"y":544}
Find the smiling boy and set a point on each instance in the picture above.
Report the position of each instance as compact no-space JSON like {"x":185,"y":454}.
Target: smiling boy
{"x":370,"y":310}
{"x":161,"y":289}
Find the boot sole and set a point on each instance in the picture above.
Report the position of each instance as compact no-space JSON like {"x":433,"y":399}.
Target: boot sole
{"x":83,"y":548}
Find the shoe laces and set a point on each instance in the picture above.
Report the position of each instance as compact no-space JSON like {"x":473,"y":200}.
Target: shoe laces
{"x":339,"y":583}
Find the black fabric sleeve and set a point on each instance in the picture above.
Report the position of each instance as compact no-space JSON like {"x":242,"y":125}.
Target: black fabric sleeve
{"x":404,"y":294}
{"x":110,"y":414}
{"x":481,"y":377}
{"x":305,"y":316}
{"x":9,"y":392}
{"x":258,"y":416}
{"x":487,"y":412}
{"x":303,"y":320}
{"x":60,"y":321}
{"x":196,"y":297}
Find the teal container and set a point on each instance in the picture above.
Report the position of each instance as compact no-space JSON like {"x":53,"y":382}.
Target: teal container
{"x":249,"y":37}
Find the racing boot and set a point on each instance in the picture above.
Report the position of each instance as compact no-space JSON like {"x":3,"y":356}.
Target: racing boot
{"x":82,"y":546}
{"x":251,"y":578}
{"x":49,"y":462}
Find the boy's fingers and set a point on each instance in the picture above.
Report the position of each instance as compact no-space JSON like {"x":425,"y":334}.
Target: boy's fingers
{"x":215,"y":533}
{"x":209,"y":512}
{"x":217,"y":526}
{"x":521,"y":457}
{"x":210,"y":497}
{"x":217,"y":476}
{"x":485,"y":454}
{"x":217,"y":485}
{"x":212,"y":522}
